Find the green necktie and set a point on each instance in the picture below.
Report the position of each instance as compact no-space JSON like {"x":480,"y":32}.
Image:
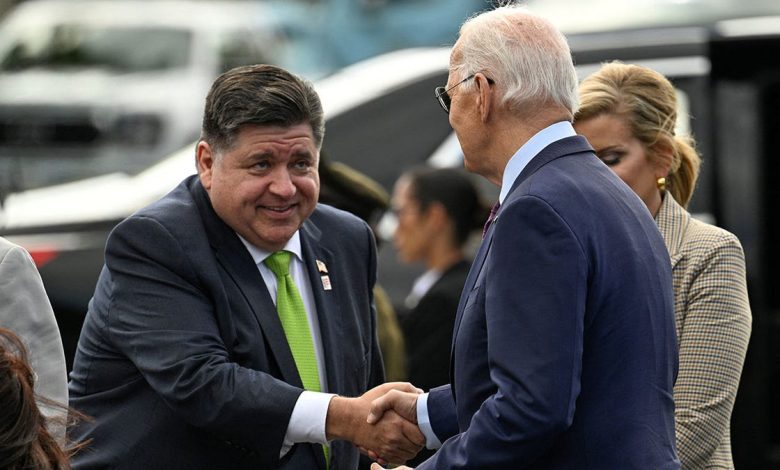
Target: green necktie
{"x":292,"y":314}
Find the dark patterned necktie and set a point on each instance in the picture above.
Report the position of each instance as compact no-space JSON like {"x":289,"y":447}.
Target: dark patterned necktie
{"x":491,"y":218}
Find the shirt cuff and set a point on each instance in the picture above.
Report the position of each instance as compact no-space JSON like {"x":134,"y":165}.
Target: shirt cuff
{"x":307,"y":422}
{"x":424,"y":423}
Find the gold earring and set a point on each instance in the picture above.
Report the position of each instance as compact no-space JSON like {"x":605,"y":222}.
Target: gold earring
{"x":661,"y":183}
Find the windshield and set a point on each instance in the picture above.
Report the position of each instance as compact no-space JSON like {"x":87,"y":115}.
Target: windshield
{"x":118,"y":49}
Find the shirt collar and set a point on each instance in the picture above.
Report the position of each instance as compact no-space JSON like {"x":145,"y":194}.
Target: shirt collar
{"x":421,"y":287}
{"x":259,"y":255}
{"x":529,"y":150}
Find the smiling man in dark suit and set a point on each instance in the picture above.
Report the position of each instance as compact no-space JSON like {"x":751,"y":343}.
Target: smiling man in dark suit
{"x":564,"y":349}
{"x":230,"y":312}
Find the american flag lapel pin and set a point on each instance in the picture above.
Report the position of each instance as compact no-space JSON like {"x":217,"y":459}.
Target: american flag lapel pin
{"x":321,"y":267}
{"x":324,"y":275}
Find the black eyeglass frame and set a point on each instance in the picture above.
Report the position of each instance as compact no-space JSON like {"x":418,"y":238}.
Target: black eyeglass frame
{"x":442,"y":94}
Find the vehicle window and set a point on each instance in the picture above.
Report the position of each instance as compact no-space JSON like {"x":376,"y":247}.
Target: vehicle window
{"x":385,"y":136}
{"x":694,"y":119}
{"x":119,"y":49}
{"x":683,"y":125}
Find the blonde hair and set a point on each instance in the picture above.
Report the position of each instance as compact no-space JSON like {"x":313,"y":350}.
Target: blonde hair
{"x":648,"y":102}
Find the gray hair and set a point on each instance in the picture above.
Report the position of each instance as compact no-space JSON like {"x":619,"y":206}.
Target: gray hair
{"x":263,"y":95}
{"x":526,"y":55}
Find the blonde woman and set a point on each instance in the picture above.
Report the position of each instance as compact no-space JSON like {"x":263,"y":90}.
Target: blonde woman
{"x":628,"y":114}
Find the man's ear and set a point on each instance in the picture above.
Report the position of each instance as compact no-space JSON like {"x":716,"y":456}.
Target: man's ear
{"x":204,"y":159}
{"x":484,"y":96}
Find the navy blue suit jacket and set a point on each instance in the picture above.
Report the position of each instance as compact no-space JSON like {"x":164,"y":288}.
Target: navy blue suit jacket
{"x":564,"y":350}
{"x":183,"y":362}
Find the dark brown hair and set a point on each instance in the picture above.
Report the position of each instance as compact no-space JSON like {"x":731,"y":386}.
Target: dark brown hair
{"x":453,"y":189}
{"x":25,"y":441}
{"x":259,"y":95}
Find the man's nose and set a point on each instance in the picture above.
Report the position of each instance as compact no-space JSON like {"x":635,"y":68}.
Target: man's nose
{"x":282,"y":184}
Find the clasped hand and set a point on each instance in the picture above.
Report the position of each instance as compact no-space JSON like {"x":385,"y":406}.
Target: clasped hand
{"x":382,"y":422}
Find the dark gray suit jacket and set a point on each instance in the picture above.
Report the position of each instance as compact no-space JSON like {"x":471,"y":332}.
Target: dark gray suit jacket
{"x":183,"y":362}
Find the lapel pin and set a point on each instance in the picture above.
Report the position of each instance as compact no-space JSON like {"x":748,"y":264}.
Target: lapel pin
{"x":326,"y":282}
{"x":321,"y":267}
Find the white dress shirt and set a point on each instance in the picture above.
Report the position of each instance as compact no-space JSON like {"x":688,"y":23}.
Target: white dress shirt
{"x":421,"y":287}
{"x":513,"y":168}
{"x":307,"y":422}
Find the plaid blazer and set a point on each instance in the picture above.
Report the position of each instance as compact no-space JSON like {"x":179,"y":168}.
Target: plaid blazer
{"x":713,"y":328}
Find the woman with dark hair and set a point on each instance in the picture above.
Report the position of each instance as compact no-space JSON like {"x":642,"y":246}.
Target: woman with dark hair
{"x":437,"y":211}
{"x":25,"y":441}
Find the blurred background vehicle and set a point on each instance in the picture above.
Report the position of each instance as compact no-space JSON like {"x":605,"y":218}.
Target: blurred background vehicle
{"x":91,"y":87}
{"x":722,"y":55}
{"x":348,"y":31}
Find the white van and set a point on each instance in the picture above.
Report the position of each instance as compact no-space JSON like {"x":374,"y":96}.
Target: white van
{"x":90,"y":87}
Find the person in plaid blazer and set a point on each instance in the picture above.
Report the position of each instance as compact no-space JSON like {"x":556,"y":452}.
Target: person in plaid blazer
{"x":628,"y":113}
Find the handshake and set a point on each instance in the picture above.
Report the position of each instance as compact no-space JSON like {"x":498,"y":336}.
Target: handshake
{"x":382,"y":422}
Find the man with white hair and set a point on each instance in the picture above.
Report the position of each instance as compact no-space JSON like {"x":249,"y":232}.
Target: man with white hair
{"x":564,"y":351}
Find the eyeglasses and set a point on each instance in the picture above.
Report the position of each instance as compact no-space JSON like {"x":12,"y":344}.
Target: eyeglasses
{"x":442,"y":93}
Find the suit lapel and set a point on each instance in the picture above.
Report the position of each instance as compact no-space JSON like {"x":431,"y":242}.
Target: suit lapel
{"x":471,"y":279}
{"x":317,"y":257}
{"x":673,"y":222}
{"x":234,"y":258}
{"x":566,"y":146}
{"x":557,"y":149}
